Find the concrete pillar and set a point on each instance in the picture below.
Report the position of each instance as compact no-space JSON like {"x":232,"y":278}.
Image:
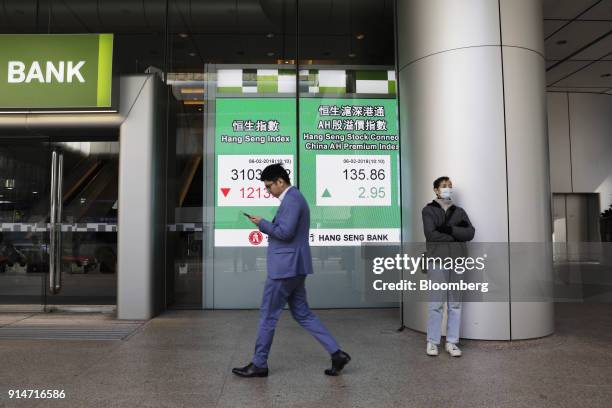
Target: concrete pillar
{"x":472,"y":106}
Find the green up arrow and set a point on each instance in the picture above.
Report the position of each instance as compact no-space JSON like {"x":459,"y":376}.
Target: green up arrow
{"x":326,"y":194}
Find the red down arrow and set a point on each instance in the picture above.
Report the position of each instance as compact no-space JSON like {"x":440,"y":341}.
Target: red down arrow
{"x":225,"y":191}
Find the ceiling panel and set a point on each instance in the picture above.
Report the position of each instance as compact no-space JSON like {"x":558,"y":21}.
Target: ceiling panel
{"x":577,"y":35}
{"x":597,"y":51}
{"x":550,"y":26}
{"x":564,"y":70}
{"x":565,"y":9}
{"x":16,"y":16}
{"x":566,"y":89}
{"x":590,"y":76}
{"x":582,"y":23}
{"x":602,"y":11}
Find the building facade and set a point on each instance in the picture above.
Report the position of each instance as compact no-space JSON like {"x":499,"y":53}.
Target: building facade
{"x":135,"y":200}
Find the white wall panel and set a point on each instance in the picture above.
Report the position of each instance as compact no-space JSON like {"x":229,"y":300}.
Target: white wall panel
{"x":456,"y":121}
{"x":527,"y":146}
{"x":433,"y":26}
{"x":522,"y":24}
{"x":580,"y":134}
{"x":452,"y":123}
{"x":591,"y":136}
{"x":559,"y":142}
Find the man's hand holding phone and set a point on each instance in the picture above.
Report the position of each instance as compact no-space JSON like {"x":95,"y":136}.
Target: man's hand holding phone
{"x":253,"y":218}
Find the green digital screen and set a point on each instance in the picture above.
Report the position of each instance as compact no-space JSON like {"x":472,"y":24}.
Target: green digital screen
{"x":349,"y":174}
{"x":348,"y":152}
{"x":250,"y":134}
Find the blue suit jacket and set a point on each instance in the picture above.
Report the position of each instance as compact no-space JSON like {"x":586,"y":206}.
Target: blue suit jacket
{"x":288,"y":245}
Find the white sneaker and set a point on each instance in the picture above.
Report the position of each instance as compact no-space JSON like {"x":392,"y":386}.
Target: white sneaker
{"x":453,"y":350}
{"x":432,"y":349}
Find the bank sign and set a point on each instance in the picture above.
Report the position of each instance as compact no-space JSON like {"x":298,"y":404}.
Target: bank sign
{"x":55,"y":71}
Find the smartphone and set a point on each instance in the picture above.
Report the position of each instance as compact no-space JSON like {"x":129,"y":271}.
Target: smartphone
{"x":245,"y":214}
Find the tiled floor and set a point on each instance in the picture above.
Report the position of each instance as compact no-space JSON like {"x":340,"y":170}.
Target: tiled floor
{"x":184,"y":358}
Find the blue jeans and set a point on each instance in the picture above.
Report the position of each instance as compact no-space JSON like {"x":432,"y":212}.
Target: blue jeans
{"x":435,"y":308}
{"x":277,"y":293}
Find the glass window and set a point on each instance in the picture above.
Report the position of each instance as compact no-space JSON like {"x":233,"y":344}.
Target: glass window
{"x":231,"y":63}
{"x":249,"y":83}
{"x":348,"y":141}
{"x":252,"y":117}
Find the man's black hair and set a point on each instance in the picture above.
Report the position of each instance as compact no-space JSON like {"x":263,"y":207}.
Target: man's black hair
{"x":439,"y":181}
{"x":273,"y":172}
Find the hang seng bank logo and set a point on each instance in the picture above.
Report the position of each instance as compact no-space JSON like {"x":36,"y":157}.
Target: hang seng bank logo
{"x":45,"y":73}
{"x":255,"y":237}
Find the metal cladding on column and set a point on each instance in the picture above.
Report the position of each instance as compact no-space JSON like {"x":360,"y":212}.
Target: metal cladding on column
{"x":141,"y":223}
{"x":472,"y":107}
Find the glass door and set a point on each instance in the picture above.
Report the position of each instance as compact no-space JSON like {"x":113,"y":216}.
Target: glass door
{"x":58,"y":215}
{"x":24,"y":215}
{"x":85,"y":272}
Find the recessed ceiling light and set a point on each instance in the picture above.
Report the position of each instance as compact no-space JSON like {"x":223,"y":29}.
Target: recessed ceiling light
{"x":352,"y":55}
{"x":360,"y":36}
{"x":183,"y":35}
{"x":561,"y":42}
{"x":270,"y":54}
{"x":270,"y":35}
{"x":192,"y":54}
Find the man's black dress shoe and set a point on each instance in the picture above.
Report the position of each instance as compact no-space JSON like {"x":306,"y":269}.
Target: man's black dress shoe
{"x":339,"y":360}
{"x":250,"y":370}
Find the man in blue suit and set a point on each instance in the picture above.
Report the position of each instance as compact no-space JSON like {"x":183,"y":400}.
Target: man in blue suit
{"x":289,"y":261}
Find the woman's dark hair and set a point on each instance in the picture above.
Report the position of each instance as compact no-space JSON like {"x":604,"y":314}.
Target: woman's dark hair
{"x":439,"y":181}
{"x":273,"y":172}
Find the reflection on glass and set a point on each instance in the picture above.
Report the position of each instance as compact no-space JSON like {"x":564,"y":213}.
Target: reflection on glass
{"x":88,"y":225}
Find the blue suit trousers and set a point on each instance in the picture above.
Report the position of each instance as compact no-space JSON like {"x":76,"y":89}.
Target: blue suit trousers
{"x":277,"y":293}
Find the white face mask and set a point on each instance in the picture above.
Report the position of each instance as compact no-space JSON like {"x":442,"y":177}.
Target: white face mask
{"x":446,"y":193}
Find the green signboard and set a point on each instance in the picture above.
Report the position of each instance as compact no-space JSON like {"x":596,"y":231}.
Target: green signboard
{"x":349,"y":170}
{"x":55,"y":71}
{"x":348,"y":167}
{"x":250,"y":134}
